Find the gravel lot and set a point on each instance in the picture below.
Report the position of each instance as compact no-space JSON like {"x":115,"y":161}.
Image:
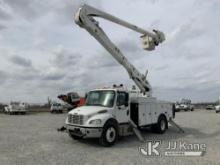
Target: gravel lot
{"x":33,"y":139}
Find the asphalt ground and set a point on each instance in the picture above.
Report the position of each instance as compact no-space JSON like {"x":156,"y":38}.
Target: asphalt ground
{"x":32,"y":139}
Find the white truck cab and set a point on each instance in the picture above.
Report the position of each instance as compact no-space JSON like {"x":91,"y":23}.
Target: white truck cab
{"x":107,"y":114}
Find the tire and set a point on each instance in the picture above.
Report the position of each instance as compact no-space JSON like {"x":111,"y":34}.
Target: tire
{"x":109,"y":134}
{"x":173,"y":111}
{"x":74,"y":137}
{"x":161,"y":125}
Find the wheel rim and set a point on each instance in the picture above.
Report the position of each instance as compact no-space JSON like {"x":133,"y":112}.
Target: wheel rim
{"x":162,"y":125}
{"x":110,"y":134}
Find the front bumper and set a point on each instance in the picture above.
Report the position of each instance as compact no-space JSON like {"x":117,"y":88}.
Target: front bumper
{"x":84,"y":132}
{"x":17,"y":110}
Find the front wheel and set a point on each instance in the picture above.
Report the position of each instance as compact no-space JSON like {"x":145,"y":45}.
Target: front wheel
{"x":109,"y":134}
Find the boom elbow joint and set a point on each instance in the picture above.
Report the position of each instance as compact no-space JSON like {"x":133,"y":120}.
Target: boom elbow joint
{"x":77,"y":18}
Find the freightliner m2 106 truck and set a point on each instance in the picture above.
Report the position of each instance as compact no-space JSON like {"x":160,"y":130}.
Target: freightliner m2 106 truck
{"x":112,"y":112}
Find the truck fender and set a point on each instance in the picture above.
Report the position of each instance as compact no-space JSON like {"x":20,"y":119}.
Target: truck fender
{"x":104,"y":117}
{"x":112,"y":120}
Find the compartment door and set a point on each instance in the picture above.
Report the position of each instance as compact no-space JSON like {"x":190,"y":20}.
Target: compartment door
{"x":145,"y":114}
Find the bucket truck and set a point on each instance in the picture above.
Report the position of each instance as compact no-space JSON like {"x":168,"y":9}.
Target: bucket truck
{"x":115,"y":111}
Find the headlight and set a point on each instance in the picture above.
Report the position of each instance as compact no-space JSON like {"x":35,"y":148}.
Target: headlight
{"x":96,"y":122}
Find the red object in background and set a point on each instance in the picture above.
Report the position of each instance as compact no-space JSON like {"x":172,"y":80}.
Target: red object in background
{"x":82,"y":101}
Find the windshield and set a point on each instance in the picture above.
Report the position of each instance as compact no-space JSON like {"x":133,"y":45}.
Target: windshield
{"x":101,"y":98}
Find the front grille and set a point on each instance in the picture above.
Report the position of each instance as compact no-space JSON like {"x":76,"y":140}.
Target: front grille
{"x":75,"y":119}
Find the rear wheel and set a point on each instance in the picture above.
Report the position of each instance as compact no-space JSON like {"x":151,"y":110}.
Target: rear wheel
{"x":161,"y":125}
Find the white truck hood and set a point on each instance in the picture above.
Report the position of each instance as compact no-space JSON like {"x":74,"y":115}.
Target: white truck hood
{"x":88,"y":110}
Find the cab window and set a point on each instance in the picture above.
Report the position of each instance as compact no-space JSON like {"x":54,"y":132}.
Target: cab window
{"x":122,"y":99}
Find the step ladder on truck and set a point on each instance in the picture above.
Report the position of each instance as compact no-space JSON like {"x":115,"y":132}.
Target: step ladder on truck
{"x":112,"y":112}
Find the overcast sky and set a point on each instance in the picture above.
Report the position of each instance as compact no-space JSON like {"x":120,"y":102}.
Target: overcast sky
{"x":43,"y":53}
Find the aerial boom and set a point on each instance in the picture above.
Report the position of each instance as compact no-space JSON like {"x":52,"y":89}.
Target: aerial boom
{"x":84,"y":18}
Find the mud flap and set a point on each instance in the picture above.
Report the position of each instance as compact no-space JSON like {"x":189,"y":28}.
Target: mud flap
{"x":136,"y":131}
{"x":176,"y":125}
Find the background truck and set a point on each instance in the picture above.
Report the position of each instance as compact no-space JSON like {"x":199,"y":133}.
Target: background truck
{"x":56,"y":108}
{"x":184,"y":104}
{"x":15,"y":108}
{"x":112,"y":112}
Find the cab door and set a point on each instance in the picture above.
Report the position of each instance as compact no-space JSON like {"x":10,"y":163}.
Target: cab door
{"x":122,"y":107}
